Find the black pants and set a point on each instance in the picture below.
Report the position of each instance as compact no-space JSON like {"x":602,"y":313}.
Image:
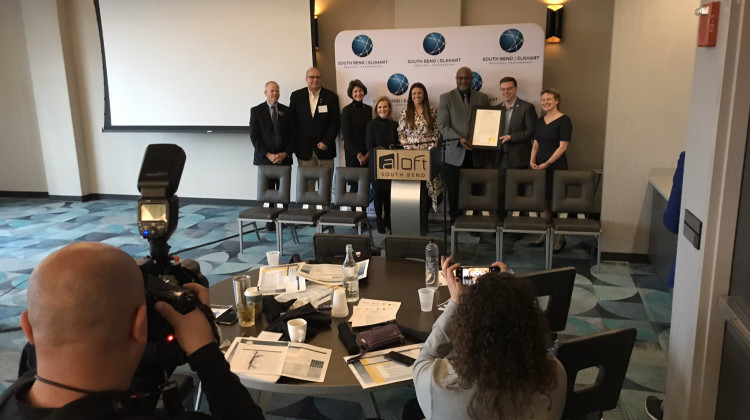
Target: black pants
{"x":382,"y":200}
{"x":452,"y":173}
{"x":352,"y":162}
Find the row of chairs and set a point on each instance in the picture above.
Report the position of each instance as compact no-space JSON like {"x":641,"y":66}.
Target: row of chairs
{"x":525,"y":191}
{"x":607,"y":352}
{"x":348,"y":210}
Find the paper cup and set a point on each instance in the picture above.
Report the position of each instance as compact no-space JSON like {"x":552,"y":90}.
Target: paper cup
{"x":426,"y":296}
{"x":273,"y":257}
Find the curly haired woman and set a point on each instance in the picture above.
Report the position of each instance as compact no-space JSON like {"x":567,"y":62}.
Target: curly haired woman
{"x":486,"y":357}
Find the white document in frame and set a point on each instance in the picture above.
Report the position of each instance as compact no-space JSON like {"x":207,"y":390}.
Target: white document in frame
{"x":256,"y":358}
{"x":375,"y":370}
{"x":306,"y":362}
{"x":280,"y":279}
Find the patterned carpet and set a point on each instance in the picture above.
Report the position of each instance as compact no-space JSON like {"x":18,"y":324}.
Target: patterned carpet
{"x":621,"y":295}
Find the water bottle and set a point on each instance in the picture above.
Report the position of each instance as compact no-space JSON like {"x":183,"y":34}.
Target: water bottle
{"x":349,"y":275}
{"x":432,"y":265}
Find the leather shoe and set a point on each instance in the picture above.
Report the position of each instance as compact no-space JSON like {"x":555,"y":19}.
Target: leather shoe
{"x":271,"y":227}
{"x":558,"y":249}
{"x":537,"y":243}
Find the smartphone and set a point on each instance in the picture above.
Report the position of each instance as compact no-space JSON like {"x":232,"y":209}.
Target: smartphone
{"x":399,"y":358}
{"x":227,"y":318}
{"x":470,"y":274}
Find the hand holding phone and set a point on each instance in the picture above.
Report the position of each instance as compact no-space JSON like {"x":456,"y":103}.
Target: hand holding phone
{"x":469,"y":274}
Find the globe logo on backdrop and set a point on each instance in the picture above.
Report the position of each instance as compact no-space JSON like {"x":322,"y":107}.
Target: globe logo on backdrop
{"x":476,"y":81}
{"x":398,"y":84}
{"x":434,"y":43}
{"x":511,"y":40}
{"x":362,"y":45}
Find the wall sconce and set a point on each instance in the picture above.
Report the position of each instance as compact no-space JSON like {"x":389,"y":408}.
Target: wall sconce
{"x":315,"y":33}
{"x":554,"y":23}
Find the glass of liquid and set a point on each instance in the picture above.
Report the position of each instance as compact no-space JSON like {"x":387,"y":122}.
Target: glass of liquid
{"x":246,"y":314}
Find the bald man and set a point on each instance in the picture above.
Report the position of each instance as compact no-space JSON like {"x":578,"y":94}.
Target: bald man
{"x":86,"y":318}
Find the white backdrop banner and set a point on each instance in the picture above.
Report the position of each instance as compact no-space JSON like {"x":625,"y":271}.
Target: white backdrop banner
{"x":389,"y":61}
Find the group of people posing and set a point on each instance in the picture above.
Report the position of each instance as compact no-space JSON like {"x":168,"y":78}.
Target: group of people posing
{"x":312,"y":122}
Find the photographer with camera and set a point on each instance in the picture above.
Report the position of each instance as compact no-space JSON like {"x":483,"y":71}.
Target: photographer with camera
{"x":87,"y":318}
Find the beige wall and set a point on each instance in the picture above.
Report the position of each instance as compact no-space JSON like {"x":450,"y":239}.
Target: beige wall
{"x":653,"y":50}
{"x":21,"y":163}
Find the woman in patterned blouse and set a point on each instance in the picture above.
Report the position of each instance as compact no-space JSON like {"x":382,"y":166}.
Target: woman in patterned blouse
{"x":417,"y":129}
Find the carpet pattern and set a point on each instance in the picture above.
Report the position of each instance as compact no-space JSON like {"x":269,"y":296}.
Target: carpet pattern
{"x":617,"y":295}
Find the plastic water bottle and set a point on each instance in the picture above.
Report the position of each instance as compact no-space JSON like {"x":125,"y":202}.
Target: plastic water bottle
{"x":432,"y":265}
{"x":349,"y":275}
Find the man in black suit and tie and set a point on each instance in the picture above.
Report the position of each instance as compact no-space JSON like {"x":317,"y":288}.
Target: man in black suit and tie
{"x":270,"y":133}
{"x":517,"y":124}
{"x":315,"y":119}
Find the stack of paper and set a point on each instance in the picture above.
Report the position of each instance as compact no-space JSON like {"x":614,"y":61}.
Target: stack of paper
{"x":329,"y":273}
{"x":274,"y":280}
{"x":269,"y":360}
{"x":371,"y":312}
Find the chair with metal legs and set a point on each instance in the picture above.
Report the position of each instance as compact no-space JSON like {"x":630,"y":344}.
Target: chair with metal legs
{"x":573,"y":195}
{"x":533,"y":202}
{"x":273,"y":200}
{"x":314,"y":203}
{"x":485,"y":204}
{"x":351,"y":207}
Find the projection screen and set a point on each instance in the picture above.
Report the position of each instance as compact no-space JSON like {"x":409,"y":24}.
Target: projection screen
{"x":199,"y":65}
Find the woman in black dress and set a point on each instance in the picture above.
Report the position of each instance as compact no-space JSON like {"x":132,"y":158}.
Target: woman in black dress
{"x":381,"y":132}
{"x":354,"y":118}
{"x":552,"y":136}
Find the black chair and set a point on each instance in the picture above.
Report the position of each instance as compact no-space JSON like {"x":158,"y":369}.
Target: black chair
{"x":273,"y":200}
{"x":410,"y":247}
{"x":565,"y":201}
{"x":331,"y":248}
{"x":609,"y":351}
{"x":341,"y":215}
{"x":314,"y":203}
{"x":486,"y":204}
{"x":535,"y":184}
{"x":557,"y":286}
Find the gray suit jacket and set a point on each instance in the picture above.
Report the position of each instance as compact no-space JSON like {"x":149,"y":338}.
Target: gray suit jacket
{"x":453,"y":122}
{"x":521,"y":130}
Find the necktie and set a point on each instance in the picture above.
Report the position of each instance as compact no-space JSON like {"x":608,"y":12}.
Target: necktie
{"x":467,"y":105}
{"x":275,"y":121}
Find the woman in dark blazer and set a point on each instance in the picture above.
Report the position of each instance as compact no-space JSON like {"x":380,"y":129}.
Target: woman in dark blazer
{"x":354,"y":118}
{"x":381,"y":132}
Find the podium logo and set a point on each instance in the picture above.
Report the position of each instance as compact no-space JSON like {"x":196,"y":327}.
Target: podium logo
{"x":434,"y":43}
{"x":476,"y":81}
{"x":362,"y":45}
{"x":398,"y":84}
{"x":511,"y":40}
{"x":395,"y":162}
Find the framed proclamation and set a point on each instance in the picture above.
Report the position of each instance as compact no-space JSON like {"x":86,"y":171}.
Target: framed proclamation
{"x":484,"y":129}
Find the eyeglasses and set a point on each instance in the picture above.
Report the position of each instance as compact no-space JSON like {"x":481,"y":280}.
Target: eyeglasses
{"x":313,"y":77}
{"x":464,"y":77}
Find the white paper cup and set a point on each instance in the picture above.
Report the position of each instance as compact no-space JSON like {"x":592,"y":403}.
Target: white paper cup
{"x":273,"y":257}
{"x":339,"y":309}
{"x":297,"y":330}
{"x":426,"y":296}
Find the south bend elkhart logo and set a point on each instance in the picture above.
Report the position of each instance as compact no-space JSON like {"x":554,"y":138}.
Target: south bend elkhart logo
{"x":511,"y":40}
{"x":362,"y":45}
{"x":476,"y":81}
{"x":434,"y":43}
{"x":398,"y":84}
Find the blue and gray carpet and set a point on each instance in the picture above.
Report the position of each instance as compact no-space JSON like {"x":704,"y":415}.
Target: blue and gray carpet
{"x":620,"y":295}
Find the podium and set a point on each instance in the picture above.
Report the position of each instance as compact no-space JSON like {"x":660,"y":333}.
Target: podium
{"x":409,"y":199}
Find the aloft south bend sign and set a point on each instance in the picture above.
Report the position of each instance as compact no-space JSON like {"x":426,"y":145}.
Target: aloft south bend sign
{"x":403,"y":165}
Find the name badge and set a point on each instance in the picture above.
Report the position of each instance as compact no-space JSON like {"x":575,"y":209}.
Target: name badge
{"x":322,"y":109}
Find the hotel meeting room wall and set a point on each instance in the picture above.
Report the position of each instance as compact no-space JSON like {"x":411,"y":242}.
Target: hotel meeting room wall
{"x":219,"y":165}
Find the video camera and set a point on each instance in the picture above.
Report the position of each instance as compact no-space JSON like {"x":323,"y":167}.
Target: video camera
{"x":158,"y":212}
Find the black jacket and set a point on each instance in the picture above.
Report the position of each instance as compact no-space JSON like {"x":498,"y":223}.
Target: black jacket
{"x":310,"y":129}
{"x":262,"y":135}
{"x":227,"y":398}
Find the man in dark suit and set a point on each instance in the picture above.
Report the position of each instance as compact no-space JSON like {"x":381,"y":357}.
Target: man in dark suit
{"x":315,"y":119}
{"x":454,"y":113}
{"x":517,"y":124}
{"x":270,"y":134}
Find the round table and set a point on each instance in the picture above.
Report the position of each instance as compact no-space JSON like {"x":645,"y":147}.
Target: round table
{"x":387,"y":279}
